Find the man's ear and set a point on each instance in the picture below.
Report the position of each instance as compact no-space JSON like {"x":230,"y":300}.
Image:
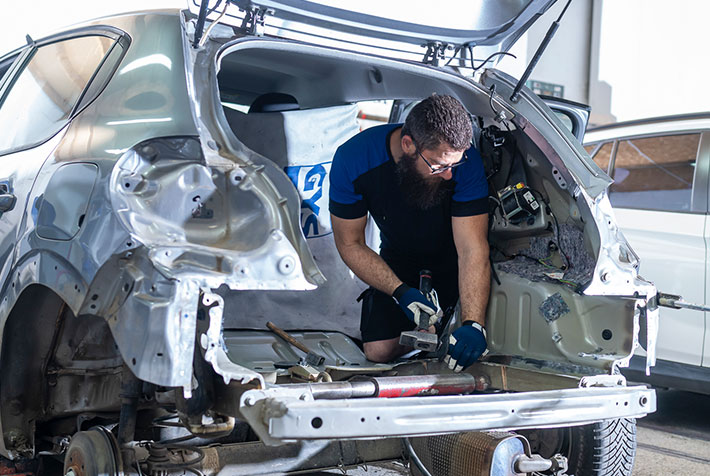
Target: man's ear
{"x":408,"y":145}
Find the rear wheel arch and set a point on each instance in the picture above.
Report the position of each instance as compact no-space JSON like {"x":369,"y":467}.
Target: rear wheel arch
{"x":26,"y":347}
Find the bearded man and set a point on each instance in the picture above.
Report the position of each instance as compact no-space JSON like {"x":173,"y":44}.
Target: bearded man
{"x":423,"y":184}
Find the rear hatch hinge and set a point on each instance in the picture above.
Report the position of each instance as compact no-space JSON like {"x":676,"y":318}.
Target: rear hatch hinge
{"x":435,"y":51}
{"x":254,"y":20}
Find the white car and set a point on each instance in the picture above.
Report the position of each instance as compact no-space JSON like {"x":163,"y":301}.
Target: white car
{"x":660,"y":199}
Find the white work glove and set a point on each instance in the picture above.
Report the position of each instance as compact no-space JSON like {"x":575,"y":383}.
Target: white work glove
{"x":422,"y":311}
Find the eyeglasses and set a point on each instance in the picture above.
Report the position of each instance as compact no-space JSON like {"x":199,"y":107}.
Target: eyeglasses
{"x":442,"y":169}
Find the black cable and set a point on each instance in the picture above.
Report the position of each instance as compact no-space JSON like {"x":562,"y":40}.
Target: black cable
{"x":216,"y":5}
{"x":456,"y":51}
{"x":476,"y":68}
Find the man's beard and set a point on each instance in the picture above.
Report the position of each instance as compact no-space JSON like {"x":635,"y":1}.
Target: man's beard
{"x":422,"y":192}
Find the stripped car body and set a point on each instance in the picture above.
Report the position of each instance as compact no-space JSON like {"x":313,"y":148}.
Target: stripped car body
{"x":181,"y":239}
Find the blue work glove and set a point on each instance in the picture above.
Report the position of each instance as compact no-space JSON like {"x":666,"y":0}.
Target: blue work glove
{"x":420,"y":310}
{"x":466,"y":345}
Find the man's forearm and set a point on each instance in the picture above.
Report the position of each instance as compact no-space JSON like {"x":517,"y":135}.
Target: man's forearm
{"x":474,"y":286}
{"x":370,"y":267}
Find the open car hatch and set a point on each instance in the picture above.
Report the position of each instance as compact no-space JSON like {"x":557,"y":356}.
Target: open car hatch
{"x":482,"y":26}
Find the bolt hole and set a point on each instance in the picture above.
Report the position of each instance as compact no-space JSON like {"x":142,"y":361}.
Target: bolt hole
{"x":133,"y":361}
{"x":362,"y":419}
{"x":94,"y":297}
{"x":626,"y":404}
{"x":93,"y":306}
{"x":512,"y":411}
{"x":159,"y":354}
{"x":316,"y":422}
{"x":125,"y":287}
{"x":129,"y":244}
{"x":607,"y":334}
{"x":378,"y":418}
{"x":55,"y":268}
{"x":127,"y":185}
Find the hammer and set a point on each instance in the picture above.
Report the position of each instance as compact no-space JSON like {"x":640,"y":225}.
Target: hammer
{"x":416,"y":338}
{"x":312,"y":358}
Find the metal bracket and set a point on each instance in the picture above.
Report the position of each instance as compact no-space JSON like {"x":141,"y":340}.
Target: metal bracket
{"x":602,"y":381}
{"x":253,"y":23}
{"x":434,"y":52}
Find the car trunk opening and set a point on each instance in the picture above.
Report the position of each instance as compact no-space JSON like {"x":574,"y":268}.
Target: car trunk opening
{"x":537,"y":313}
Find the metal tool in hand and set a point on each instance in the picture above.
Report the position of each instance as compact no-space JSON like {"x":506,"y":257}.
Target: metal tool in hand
{"x":420,"y":338}
{"x":311,"y":357}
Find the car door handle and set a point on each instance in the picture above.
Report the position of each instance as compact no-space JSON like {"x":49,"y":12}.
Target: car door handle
{"x":7,"y":202}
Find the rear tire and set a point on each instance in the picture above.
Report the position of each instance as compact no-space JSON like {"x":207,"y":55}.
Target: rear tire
{"x":606,"y":448}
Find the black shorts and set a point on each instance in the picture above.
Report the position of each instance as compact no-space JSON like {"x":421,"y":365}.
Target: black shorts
{"x":381,"y":317}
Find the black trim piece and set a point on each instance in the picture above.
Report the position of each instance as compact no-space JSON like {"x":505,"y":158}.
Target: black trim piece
{"x":85,"y":99}
{"x":691,"y":378}
{"x":100,"y":30}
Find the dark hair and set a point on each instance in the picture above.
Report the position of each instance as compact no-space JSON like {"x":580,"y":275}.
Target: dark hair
{"x":438,"y":119}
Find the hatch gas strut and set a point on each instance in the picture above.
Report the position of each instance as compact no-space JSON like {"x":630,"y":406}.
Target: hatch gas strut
{"x":538,"y":54}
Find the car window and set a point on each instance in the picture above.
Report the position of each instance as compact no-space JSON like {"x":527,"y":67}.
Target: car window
{"x":600,"y":153}
{"x":46,"y":91}
{"x":655,"y":173}
{"x":566,"y":120}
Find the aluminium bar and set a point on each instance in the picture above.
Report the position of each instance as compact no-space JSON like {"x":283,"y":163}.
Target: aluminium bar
{"x":282,"y":418}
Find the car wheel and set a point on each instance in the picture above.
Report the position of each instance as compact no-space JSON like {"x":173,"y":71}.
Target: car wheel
{"x":606,"y":448}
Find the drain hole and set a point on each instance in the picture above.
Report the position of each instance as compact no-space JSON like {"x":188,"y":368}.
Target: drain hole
{"x":316,"y":422}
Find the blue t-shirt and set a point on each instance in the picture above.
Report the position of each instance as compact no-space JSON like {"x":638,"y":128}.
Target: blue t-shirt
{"x":363,"y":180}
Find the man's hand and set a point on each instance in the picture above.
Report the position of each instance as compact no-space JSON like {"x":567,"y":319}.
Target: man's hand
{"x":466,"y":345}
{"x":416,"y":306}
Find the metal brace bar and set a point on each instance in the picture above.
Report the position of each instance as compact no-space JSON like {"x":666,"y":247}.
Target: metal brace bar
{"x":280,"y":419}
